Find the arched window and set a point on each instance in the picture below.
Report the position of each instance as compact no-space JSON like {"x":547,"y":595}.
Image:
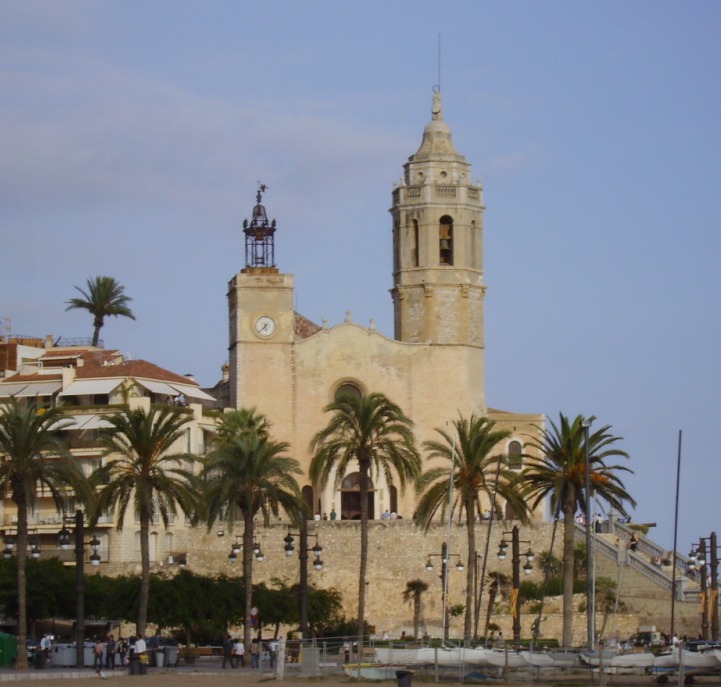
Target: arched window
{"x":445,"y":240}
{"x":307,"y":492}
{"x":347,"y":388}
{"x":515,"y":457}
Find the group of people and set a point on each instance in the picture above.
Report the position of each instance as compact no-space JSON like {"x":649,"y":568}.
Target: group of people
{"x":234,"y":652}
{"x":105,"y":652}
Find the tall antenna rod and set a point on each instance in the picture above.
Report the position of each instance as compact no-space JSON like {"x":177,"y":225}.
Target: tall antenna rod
{"x":439,"y":61}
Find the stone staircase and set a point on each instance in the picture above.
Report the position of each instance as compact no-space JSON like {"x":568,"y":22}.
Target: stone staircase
{"x":645,"y":587}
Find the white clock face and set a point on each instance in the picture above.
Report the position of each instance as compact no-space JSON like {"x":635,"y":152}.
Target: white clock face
{"x":265,"y":326}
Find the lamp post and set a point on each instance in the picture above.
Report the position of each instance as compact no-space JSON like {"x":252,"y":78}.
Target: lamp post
{"x":590,"y":576}
{"x":445,"y":560}
{"x":709,"y":597}
{"x":303,"y":549}
{"x":516,"y":575}
{"x":237,"y":545}
{"x":64,"y":543}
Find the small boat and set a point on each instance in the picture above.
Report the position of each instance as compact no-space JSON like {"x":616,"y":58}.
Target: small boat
{"x":506,"y":658}
{"x":696,"y":659}
{"x":550,"y":659}
{"x":372,"y":671}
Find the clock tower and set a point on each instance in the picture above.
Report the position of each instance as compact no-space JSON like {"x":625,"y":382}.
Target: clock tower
{"x":260,"y":302}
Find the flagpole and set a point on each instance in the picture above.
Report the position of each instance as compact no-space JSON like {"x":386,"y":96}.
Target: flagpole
{"x":675,"y":535}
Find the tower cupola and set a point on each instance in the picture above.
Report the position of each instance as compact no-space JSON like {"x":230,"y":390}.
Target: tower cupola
{"x":259,"y":238}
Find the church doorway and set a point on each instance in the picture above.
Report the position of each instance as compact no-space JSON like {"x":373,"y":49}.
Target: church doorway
{"x":350,"y":502}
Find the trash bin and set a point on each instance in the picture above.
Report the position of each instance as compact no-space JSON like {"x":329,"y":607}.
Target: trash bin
{"x":143,"y":664}
{"x":159,"y":658}
{"x":404,"y":677}
{"x":134,"y":665}
{"x":8,"y":649}
{"x":39,"y":660}
{"x":171,"y":655}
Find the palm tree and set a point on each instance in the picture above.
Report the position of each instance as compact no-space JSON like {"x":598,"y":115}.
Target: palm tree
{"x":560,"y":472}
{"x":33,"y":457}
{"x":475,"y":451}
{"x":245,"y":475}
{"x":497,"y":582}
{"x":372,"y":431}
{"x":104,"y":297}
{"x":412,"y":594}
{"x":144,"y":474}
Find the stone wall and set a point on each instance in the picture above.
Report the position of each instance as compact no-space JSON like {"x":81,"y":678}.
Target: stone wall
{"x":398,"y":553}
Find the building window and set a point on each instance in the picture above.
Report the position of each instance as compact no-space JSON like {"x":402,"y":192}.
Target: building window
{"x":515,"y":455}
{"x":445,"y":240}
{"x":415,"y":250}
{"x":347,"y":389}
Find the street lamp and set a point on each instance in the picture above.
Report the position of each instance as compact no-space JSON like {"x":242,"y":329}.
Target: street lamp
{"x":516,"y":580}
{"x":445,"y":560}
{"x":64,"y":543}
{"x":303,"y":549}
{"x":590,"y":572}
{"x":709,"y":602}
{"x":236,"y":546}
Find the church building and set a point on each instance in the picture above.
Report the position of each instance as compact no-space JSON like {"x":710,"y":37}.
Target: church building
{"x":433,"y":368}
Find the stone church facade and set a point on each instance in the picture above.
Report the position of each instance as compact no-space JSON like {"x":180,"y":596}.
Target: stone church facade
{"x":289,"y":368}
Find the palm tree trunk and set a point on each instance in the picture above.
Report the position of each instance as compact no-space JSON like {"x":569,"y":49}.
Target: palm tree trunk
{"x":568,"y":540}
{"x":144,"y":571}
{"x":98,"y":325}
{"x":416,"y":613}
{"x":470,"y":568}
{"x":248,"y":537}
{"x":21,"y":662}
{"x":363,"y":552}
{"x":491,"y":603}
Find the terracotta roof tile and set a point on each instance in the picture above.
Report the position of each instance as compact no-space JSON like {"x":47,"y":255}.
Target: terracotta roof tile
{"x":132,"y":368}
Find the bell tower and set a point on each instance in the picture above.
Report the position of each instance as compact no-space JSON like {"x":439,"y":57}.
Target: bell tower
{"x":261,"y":318}
{"x":438,"y":287}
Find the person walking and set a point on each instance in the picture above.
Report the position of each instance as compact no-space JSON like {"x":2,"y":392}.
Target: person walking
{"x":98,"y":656}
{"x":228,"y":651}
{"x":110,"y":647}
{"x":239,"y":648}
{"x":121,"y":648}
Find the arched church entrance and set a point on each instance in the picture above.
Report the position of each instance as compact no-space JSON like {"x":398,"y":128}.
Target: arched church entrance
{"x":350,"y":502}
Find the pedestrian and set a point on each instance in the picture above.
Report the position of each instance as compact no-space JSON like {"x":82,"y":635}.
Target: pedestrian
{"x":239,"y":649}
{"x":141,"y":654}
{"x":255,"y":654}
{"x":228,"y":651}
{"x":98,"y":656}
{"x":110,"y":647}
{"x":121,"y":648}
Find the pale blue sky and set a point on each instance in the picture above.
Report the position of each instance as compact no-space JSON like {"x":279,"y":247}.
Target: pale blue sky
{"x":132,"y":135}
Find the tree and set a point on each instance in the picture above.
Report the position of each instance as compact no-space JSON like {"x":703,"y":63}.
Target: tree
{"x":497,"y":582}
{"x":412,"y":594}
{"x":247,"y":474}
{"x":560,"y":472}
{"x":372,"y":431}
{"x":143,"y":473}
{"x":34,"y":458}
{"x":104,"y":297}
{"x":474,"y":449}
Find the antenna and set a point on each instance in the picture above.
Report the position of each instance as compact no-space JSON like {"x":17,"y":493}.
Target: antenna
{"x":439,"y":62}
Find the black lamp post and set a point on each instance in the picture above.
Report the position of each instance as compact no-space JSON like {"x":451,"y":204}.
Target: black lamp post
{"x":236,"y":546}
{"x":303,"y":549}
{"x":64,"y":543}
{"x":709,"y":602}
{"x":445,"y":560}
{"x":516,"y":580}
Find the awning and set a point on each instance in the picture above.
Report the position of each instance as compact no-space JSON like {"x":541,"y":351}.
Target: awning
{"x":90,"y":387}
{"x":83,"y":422}
{"x":157,"y":387}
{"x":193,"y":392}
{"x":7,"y":390}
{"x":42,"y":389}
